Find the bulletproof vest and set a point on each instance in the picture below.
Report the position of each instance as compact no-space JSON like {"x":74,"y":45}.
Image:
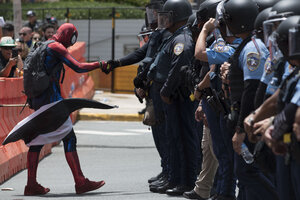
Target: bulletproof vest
{"x":287,"y":89}
{"x":159,"y":68}
{"x":236,"y":75}
{"x":153,"y":45}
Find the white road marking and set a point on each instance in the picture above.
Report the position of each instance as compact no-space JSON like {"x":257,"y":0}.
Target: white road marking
{"x":125,"y":133}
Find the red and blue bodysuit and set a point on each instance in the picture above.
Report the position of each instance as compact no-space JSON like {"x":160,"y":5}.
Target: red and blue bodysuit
{"x":56,"y":55}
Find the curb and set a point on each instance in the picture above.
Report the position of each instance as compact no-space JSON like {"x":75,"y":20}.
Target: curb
{"x":110,"y":117}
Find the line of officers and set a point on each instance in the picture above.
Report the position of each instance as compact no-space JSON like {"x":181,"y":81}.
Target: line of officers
{"x":224,"y":79}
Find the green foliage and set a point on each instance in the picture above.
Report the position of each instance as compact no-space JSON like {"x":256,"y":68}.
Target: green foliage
{"x":78,"y":9}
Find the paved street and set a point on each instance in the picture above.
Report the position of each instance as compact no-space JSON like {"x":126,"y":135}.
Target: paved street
{"x":121,"y":153}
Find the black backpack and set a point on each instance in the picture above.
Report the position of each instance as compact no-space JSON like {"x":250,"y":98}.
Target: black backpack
{"x":36,"y":79}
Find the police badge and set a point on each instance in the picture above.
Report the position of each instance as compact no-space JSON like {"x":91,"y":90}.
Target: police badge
{"x":253,"y":61}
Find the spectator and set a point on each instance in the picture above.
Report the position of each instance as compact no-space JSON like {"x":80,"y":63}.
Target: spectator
{"x":22,"y":49}
{"x":36,"y":37}
{"x":8,"y":30}
{"x":32,"y":21}
{"x":26,"y":36}
{"x":53,"y":21}
{"x":48,"y":31}
{"x":9,"y":66}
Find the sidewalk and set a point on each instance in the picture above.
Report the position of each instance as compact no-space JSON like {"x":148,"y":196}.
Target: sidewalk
{"x":129,"y":106}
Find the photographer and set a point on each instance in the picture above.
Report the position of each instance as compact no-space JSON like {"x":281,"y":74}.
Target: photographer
{"x":11,"y":63}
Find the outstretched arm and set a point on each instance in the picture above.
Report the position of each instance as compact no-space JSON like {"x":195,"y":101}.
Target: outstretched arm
{"x":64,"y":55}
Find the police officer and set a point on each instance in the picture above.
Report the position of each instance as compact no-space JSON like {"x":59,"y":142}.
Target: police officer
{"x":246,"y":69}
{"x":146,"y":54}
{"x":176,"y":52}
{"x":216,"y":54}
{"x":287,"y":96}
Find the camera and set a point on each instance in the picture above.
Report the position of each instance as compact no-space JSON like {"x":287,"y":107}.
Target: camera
{"x":14,"y":52}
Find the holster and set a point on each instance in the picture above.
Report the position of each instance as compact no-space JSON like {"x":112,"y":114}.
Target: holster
{"x":216,"y":101}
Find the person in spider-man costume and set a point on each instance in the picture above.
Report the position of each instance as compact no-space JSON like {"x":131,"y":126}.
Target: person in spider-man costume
{"x":56,"y":55}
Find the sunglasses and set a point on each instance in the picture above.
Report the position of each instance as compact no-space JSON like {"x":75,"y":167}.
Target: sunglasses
{"x":36,"y":38}
{"x":24,"y":34}
{"x":7,"y":48}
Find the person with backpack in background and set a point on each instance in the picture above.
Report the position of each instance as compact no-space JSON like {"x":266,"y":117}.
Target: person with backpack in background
{"x":52,"y":54}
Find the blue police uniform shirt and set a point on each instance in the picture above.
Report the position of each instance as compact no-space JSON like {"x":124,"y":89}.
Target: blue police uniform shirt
{"x":271,"y":88}
{"x":296,"y":97}
{"x":268,"y":71}
{"x":252,"y":60}
{"x":219,"y":52}
{"x":288,"y":69}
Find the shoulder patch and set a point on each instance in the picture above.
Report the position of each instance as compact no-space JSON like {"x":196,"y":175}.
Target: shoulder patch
{"x":268,"y":66}
{"x":253,"y":61}
{"x":220,"y":47}
{"x":178,"y":49}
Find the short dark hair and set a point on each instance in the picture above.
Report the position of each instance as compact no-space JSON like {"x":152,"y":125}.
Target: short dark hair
{"x":8,"y":27}
{"x":46,"y":26}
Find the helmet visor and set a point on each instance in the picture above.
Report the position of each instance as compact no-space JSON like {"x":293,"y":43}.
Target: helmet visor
{"x":294,"y":41}
{"x":275,"y":53}
{"x":143,"y":37}
{"x":219,"y":11}
{"x":269,"y":26}
{"x":165,"y":20}
{"x":151,"y":15}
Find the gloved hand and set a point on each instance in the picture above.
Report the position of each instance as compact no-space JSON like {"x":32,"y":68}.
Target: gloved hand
{"x":114,"y":63}
{"x":105,"y":67}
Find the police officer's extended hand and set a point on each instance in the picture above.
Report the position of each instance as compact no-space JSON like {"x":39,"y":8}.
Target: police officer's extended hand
{"x":237,"y":141}
{"x":209,"y":25}
{"x":104,"y":67}
{"x":110,"y":65}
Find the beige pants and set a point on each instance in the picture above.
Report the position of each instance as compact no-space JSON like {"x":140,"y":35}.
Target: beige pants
{"x":210,"y":165}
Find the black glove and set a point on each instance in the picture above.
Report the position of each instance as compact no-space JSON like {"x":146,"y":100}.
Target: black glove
{"x":114,"y":63}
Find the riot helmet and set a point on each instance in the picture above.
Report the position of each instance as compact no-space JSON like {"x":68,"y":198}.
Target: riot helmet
{"x":239,"y":15}
{"x":207,"y":10}
{"x":286,"y":6}
{"x":280,"y":11}
{"x":258,"y":24}
{"x":144,"y":35}
{"x":220,"y":22}
{"x":151,"y":14}
{"x":287,"y":37}
{"x":193,"y":26}
{"x":174,"y":11}
{"x":263,"y":4}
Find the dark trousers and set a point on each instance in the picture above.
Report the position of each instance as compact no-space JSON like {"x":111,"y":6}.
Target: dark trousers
{"x":159,"y":129}
{"x":287,"y":179}
{"x":253,"y":184}
{"x":223,"y":150}
{"x":183,"y":141}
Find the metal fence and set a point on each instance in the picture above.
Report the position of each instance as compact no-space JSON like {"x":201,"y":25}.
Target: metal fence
{"x":109,"y":32}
